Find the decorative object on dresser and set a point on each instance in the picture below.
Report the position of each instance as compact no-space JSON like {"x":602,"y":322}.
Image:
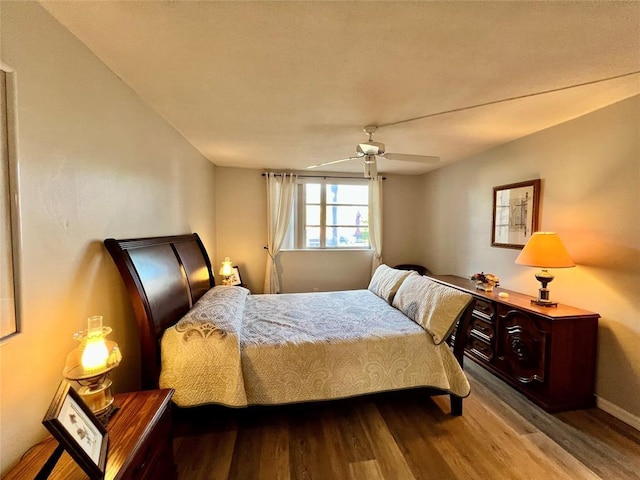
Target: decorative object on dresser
{"x":140,"y":444}
{"x":545,"y":250}
{"x":90,"y":364}
{"x":515,"y":213}
{"x":485,"y":281}
{"x":549,"y":355}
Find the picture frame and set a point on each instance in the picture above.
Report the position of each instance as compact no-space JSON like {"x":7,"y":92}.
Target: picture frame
{"x":78,"y":431}
{"x":515,"y":213}
{"x":10,"y":217}
{"x":235,"y":279}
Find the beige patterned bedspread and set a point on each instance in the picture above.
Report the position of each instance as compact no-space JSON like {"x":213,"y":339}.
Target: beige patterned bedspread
{"x":274,"y":349}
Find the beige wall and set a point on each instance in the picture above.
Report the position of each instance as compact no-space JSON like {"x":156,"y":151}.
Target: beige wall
{"x":95,"y":162}
{"x":590,"y":172}
{"x":241,"y":226}
{"x":242,"y":231}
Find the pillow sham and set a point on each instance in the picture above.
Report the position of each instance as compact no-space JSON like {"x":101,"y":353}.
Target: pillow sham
{"x":433,"y":306}
{"x":386,"y":281}
{"x":218,"y":312}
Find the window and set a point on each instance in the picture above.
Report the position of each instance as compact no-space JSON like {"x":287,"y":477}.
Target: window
{"x":329,"y":213}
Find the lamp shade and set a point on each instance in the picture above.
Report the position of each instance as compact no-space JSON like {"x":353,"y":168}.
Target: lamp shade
{"x":545,"y":250}
{"x":226,"y":269}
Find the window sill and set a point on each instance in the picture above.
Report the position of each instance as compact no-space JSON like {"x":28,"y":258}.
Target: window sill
{"x":326,"y":250}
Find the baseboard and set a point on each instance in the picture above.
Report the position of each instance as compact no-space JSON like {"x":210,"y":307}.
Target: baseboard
{"x":618,"y":412}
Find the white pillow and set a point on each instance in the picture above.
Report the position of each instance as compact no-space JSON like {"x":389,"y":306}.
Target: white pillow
{"x":433,"y":306}
{"x":386,"y":281}
{"x":218,"y":312}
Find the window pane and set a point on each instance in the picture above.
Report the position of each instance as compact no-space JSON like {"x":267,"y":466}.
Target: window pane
{"x":312,"y":193}
{"x":312,"y":237}
{"x":345,"y":223}
{"x":342,"y":237}
{"x":341,"y":215}
{"x":313,"y":215}
{"x":354,"y":194}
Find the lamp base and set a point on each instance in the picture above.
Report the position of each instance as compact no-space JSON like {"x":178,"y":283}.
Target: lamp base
{"x":543,"y":303}
{"x":544,"y":277}
{"x":98,"y":398}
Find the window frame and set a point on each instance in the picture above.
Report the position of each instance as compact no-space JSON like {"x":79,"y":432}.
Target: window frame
{"x":298,"y":229}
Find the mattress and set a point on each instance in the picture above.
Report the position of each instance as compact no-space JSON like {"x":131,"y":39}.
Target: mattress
{"x":237,"y":349}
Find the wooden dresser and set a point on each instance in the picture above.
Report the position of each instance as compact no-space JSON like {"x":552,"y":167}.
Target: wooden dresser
{"x":140,"y":443}
{"x":547,"y":353}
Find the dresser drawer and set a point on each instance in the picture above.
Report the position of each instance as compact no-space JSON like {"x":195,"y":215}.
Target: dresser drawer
{"x":482,"y":328}
{"x":484,"y":309}
{"x":480,"y":348}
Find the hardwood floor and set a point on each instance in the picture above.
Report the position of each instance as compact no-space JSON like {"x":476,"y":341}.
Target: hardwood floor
{"x":406,"y":435}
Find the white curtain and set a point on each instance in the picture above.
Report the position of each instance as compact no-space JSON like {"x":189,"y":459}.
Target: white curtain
{"x":375,"y":221}
{"x":280,"y":195}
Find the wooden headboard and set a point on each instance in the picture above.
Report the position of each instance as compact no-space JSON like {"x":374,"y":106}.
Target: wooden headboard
{"x":164,"y":277}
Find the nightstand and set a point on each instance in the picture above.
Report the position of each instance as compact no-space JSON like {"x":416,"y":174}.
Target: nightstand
{"x":140,"y":443}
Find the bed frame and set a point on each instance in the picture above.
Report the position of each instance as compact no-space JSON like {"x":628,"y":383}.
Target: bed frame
{"x":165,"y":276}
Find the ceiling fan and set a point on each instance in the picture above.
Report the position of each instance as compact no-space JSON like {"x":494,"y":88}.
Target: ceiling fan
{"x":369,"y":150}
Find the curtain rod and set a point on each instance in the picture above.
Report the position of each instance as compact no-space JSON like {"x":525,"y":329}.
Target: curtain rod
{"x":323,"y":176}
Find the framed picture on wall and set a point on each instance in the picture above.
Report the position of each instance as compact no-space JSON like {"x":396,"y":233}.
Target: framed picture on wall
{"x":235,"y":278}
{"x":515,"y":213}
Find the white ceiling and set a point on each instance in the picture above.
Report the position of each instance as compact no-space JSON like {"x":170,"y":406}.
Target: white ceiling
{"x":284,"y":85}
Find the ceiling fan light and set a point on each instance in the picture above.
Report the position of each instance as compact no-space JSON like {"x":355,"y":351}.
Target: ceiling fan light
{"x":370,"y":148}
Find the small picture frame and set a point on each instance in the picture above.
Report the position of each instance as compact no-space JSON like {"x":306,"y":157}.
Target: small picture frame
{"x":235,"y":279}
{"x":78,"y":431}
{"x":515,"y":213}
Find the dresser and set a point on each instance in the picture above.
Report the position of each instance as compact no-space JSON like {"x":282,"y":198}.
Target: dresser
{"x":140,"y":443}
{"x":547,"y":353}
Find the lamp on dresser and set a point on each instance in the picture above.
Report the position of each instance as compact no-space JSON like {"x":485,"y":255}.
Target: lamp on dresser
{"x":545,"y":250}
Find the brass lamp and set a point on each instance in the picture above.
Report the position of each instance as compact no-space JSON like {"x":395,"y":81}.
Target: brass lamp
{"x":89,"y":365}
{"x":226,"y":271}
{"x":545,"y":250}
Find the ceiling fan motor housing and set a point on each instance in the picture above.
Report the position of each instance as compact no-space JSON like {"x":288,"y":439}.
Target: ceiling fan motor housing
{"x":370,"y":148}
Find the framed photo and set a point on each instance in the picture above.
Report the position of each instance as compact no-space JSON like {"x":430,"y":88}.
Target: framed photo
{"x":515,"y":213}
{"x":78,"y":431}
{"x":235,"y":278}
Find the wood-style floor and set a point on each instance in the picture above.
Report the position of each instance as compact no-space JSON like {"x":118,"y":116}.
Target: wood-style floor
{"x":406,"y":435}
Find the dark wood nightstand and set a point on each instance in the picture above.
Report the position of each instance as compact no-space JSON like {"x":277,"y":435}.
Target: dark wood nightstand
{"x":140,"y":443}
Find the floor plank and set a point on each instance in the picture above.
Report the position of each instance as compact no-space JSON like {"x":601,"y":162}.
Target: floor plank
{"x":406,"y":436}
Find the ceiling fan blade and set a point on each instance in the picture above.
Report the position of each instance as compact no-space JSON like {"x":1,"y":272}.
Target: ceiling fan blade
{"x":411,"y":158}
{"x":334,"y":161}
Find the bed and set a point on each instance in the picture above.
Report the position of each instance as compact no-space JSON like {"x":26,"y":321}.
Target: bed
{"x":222,"y":345}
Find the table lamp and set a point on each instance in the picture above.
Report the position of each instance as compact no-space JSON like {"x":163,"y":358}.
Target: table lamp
{"x":545,"y":250}
{"x":226,"y":271}
{"x":89,"y":365}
